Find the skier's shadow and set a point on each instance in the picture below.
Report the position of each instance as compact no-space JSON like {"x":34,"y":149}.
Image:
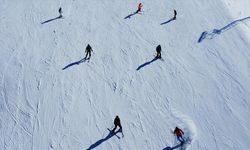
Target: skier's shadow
{"x":147,"y":63}
{"x":75,"y":63}
{"x":47,"y":21}
{"x":97,"y":143}
{"x":172,"y":148}
{"x":212,"y":34}
{"x":167,"y":21}
{"x":130,"y":15}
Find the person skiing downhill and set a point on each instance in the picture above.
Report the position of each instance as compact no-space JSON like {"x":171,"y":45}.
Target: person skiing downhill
{"x":117,"y":122}
{"x":178,"y":132}
{"x":88,"y":51}
{"x":60,"y":12}
{"x":175,"y":13}
{"x":158,"y":51}
{"x":139,"y":7}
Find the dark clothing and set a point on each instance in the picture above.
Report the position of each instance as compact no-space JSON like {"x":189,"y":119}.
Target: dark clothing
{"x":60,"y":12}
{"x":175,"y":13}
{"x":180,"y":138}
{"x":158,"y":51}
{"x":88,"y":51}
{"x":117,"y":122}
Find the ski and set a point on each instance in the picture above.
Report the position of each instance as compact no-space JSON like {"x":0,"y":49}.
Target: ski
{"x":114,"y":133}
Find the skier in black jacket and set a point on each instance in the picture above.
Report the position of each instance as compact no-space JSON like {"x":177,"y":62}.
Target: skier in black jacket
{"x":158,"y":51}
{"x":88,"y":51}
{"x":117,"y":122}
{"x":60,"y":12}
{"x":175,"y":13}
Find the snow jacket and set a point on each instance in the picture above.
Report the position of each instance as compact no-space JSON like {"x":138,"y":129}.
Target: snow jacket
{"x":178,"y":132}
{"x":140,"y":7}
{"x":175,"y":13}
{"x":88,"y":48}
{"x":117,"y":121}
{"x":158,"y":49}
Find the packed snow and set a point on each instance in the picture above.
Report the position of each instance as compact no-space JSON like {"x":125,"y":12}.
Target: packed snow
{"x":52,"y":100}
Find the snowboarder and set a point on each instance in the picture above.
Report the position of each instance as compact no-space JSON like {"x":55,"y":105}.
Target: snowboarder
{"x":117,"y":122}
{"x":158,"y":51}
{"x":88,"y":51}
{"x":60,"y":12}
{"x":175,"y":13}
{"x":178,"y":132}
{"x":139,"y":7}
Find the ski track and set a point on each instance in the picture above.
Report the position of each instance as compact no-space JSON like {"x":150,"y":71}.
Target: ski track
{"x":6,"y":99}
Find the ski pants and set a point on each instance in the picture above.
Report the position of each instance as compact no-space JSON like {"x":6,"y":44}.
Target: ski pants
{"x":116,"y":127}
{"x":88,"y":53}
{"x":180,"y":138}
{"x":158,"y":55}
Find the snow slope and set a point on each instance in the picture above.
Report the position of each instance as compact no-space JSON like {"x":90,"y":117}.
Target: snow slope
{"x":202,"y":86}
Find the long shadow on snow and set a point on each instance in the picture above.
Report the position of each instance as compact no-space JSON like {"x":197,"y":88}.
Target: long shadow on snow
{"x":172,"y":148}
{"x":97,"y":143}
{"x":167,"y":21}
{"x":75,"y":63}
{"x":147,"y":63}
{"x":212,"y":34}
{"x":130,"y":15}
{"x":51,"y":20}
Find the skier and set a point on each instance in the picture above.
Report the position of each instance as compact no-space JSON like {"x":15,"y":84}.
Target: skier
{"x":88,"y":51}
{"x":60,"y":12}
{"x":117,"y":122}
{"x":178,"y":132}
{"x":158,"y":51}
{"x":139,"y":7}
{"x":175,"y":13}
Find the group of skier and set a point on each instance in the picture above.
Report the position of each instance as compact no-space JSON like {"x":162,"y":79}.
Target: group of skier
{"x":89,"y":49}
{"x":139,"y":9}
{"x":177,"y":131}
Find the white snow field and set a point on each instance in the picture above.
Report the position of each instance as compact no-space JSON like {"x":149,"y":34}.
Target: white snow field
{"x":50,"y":101}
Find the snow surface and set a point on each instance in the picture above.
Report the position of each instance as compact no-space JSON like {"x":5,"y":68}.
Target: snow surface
{"x":202,"y":86}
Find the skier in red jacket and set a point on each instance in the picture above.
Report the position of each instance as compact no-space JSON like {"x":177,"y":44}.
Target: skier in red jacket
{"x":139,"y":7}
{"x":178,"y":132}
